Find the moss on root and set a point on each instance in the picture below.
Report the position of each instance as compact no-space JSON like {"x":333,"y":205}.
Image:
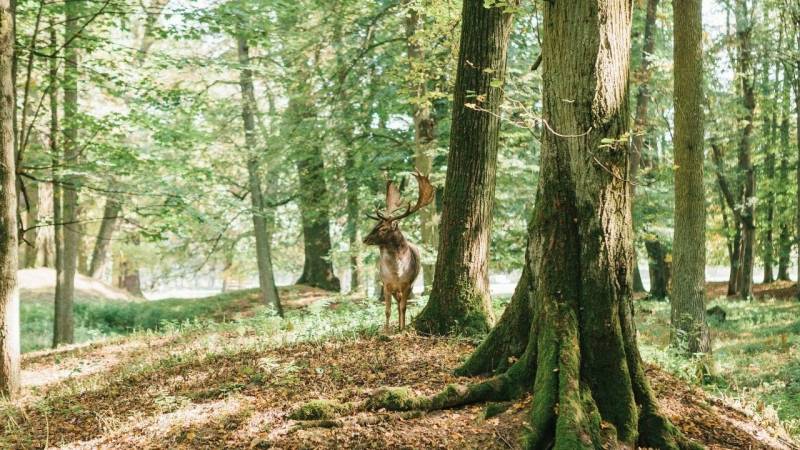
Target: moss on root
{"x":321,"y":410}
{"x":395,"y":399}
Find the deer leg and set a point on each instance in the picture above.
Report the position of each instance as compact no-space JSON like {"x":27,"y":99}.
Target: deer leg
{"x":387,"y":302}
{"x":402,"y":298}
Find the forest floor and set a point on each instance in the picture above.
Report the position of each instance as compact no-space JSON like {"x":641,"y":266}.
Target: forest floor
{"x":201,"y":384}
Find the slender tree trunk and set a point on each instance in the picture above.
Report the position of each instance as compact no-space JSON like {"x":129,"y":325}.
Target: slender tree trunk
{"x":31,"y":237}
{"x":796,"y":17}
{"x":266,"y":278}
{"x":9,"y":293}
{"x":746,"y":172}
{"x":424,"y":139}
{"x":353,"y":218}
{"x":102,"y":246}
{"x":784,"y":202}
{"x":688,"y":309}
{"x":459,"y":299}
{"x":58,"y":191}
{"x":769,"y":214}
{"x":63,"y":330}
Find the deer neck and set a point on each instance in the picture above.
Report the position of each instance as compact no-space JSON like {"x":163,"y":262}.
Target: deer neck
{"x":396,"y":244}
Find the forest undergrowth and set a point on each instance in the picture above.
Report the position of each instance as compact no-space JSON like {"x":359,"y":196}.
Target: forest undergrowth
{"x":225,"y":372}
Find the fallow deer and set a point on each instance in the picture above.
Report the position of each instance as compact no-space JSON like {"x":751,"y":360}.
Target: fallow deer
{"x":400,"y":260}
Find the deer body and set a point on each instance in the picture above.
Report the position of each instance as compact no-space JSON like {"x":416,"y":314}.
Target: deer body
{"x":400,"y":261}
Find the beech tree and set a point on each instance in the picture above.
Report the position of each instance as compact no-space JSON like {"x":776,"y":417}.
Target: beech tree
{"x":63,"y":324}
{"x":459,"y":297}
{"x":580,"y":358}
{"x":9,"y":294}
{"x":266,"y":278}
{"x":689,"y":250}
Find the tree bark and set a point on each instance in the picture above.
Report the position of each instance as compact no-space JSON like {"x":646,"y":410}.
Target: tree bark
{"x":744,"y":70}
{"x":30,"y":238}
{"x":9,"y":293}
{"x":784,"y":202}
{"x":266,"y":278}
{"x":688,"y":327}
{"x":102,"y":245}
{"x":796,"y":17}
{"x":767,"y":241}
{"x":660,"y":268}
{"x":63,"y":330}
{"x":581,"y":359}
{"x":459,"y":299}
{"x":357,"y":281}
{"x":424,"y":139}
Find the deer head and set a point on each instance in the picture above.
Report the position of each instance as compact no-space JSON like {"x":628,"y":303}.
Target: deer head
{"x":386,"y":230}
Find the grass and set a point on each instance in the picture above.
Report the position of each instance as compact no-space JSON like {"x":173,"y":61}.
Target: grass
{"x":756,"y":356}
{"x":756,"y":359}
{"x":98,"y":318}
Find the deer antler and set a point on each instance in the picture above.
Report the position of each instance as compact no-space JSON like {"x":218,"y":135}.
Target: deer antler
{"x":426,"y":192}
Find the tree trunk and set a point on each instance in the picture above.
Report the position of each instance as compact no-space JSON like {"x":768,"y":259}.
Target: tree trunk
{"x":660,"y":269}
{"x":746,"y":173}
{"x":796,"y":17}
{"x":581,"y":360}
{"x":688,"y":328}
{"x":111,"y":214}
{"x":784,"y":202}
{"x":424,"y":141}
{"x":769,"y":214}
{"x":266,"y":278}
{"x":63,"y":330}
{"x":459,"y":299}
{"x":353,"y":218}
{"x":318,"y":268}
{"x":30,"y":239}
{"x":9,"y":293}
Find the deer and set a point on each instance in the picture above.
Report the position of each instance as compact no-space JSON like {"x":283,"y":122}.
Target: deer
{"x":400,"y":260}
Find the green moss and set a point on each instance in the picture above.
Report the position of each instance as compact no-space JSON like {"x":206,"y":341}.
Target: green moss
{"x":396,"y":399}
{"x":496,"y":408}
{"x":320,"y":410}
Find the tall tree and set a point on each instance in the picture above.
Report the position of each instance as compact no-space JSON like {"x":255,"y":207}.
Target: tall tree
{"x":266,"y":278}
{"x":9,"y":293}
{"x":747,"y":185}
{"x":796,"y":23}
{"x":688,"y":321}
{"x":459,"y":297}
{"x":581,"y":357}
{"x":63,"y":324}
{"x":424,"y":133}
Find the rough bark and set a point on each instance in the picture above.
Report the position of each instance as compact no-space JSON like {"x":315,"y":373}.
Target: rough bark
{"x":102,"y":245}
{"x":459,"y":299}
{"x":63,"y":330}
{"x":797,"y":138}
{"x":318,"y":268}
{"x":266,"y":278}
{"x":581,"y":359}
{"x":688,"y":327}
{"x":9,"y":293}
{"x":424,"y":139}
{"x":744,"y":69}
{"x":660,"y":265}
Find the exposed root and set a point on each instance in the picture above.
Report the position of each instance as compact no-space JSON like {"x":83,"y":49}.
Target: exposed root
{"x":321,"y":410}
{"x":325,"y":423}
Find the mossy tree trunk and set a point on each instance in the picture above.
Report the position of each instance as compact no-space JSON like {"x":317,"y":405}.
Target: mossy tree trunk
{"x":9,"y":293}
{"x":581,"y":358}
{"x":459,"y":298}
{"x":266,"y":278}
{"x":424,"y":137}
{"x":688,"y":327}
